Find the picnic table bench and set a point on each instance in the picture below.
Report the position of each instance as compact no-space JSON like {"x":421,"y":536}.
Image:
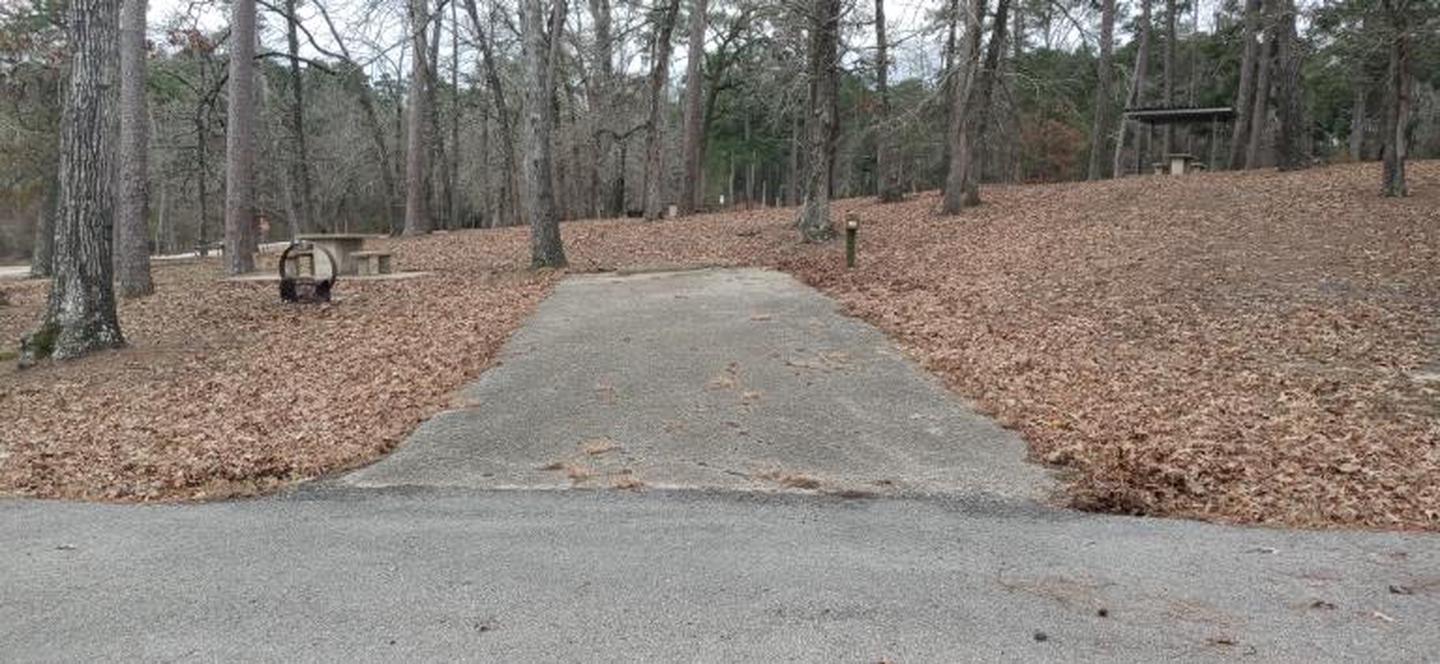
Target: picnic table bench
{"x":347,"y":249}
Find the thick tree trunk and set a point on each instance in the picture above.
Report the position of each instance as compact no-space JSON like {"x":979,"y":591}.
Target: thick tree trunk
{"x":962,"y":186}
{"x":1137,"y":94}
{"x":1397,"y":107}
{"x":417,"y":190}
{"x":659,"y":76}
{"x":1260,"y":107}
{"x":821,"y":120}
{"x":546,"y":248}
{"x":434,"y":139}
{"x":1290,"y":143}
{"x":240,"y":142}
{"x":1100,"y":128}
{"x":1245,"y":95}
{"x":602,"y":90}
{"x":132,"y":213}
{"x":80,"y":312}
{"x":887,"y":172}
{"x":693,"y":194}
{"x":962,"y":74}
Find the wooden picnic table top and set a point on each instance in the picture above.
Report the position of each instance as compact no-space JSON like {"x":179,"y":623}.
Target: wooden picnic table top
{"x":333,"y":237}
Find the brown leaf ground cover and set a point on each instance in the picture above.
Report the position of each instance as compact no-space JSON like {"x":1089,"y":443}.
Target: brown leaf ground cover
{"x":1233,"y":346}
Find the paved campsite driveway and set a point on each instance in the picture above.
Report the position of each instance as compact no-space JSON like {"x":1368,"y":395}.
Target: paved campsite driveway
{"x":729,"y":379}
{"x":921,"y":538}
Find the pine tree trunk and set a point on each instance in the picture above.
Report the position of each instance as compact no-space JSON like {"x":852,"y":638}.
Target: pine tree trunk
{"x":1170,"y":38}
{"x":417,"y":151}
{"x":300,"y":159}
{"x":80,"y":312}
{"x":1397,"y":107}
{"x":1260,"y":106}
{"x":1245,"y":95}
{"x":692,"y":196}
{"x":132,"y":213}
{"x":1137,"y":94}
{"x":240,"y":142}
{"x":546,"y":249}
{"x":1290,"y":143}
{"x":659,"y":76}
{"x":1100,"y":128}
{"x":821,"y":121}
{"x":887,"y":175}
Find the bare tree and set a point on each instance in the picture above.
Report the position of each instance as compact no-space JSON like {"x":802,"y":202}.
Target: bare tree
{"x":962,"y":184}
{"x":80,"y":312}
{"x":240,"y":142}
{"x":693,"y":191}
{"x":303,"y":210}
{"x":1245,"y":93}
{"x":1137,"y":90}
{"x":887,"y":171}
{"x":132,"y":214}
{"x":1169,"y":83}
{"x":511,"y":193}
{"x":822,"y":120}
{"x":417,"y":190}
{"x":659,"y":76}
{"x":540,"y":53}
{"x":1100,"y":128}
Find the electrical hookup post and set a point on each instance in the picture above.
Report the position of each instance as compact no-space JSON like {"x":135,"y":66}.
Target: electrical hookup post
{"x":852,"y":229}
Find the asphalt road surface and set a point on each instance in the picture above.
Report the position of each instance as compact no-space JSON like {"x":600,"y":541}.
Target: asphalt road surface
{"x":800,"y":492}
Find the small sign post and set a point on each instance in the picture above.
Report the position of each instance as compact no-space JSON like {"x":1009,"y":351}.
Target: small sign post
{"x":852,"y":228}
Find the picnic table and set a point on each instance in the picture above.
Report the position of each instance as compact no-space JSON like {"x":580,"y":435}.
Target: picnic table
{"x":343,"y":246}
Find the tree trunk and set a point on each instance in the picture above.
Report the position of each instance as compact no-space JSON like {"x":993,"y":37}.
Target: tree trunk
{"x":42,"y":254}
{"x":511,"y":194}
{"x":300,"y":159}
{"x":1357,"y":122}
{"x":962,"y":186}
{"x":1100,"y":128}
{"x":1291,"y":144}
{"x":961,"y":75}
{"x":1137,"y":94}
{"x":1245,"y":95}
{"x":1397,"y":107}
{"x":240,"y":142}
{"x":659,"y":76}
{"x":1260,"y":106}
{"x":821,"y":120}
{"x":1170,"y":37}
{"x":132,"y":210}
{"x":417,"y":152}
{"x":80,"y":311}
{"x":612,"y":197}
{"x":546,"y":248}
{"x":692,"y":196}
{"x":887,"y":173}
{"x":452,"y":166}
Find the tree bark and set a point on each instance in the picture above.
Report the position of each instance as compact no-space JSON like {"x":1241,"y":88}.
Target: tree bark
{"x":821,"y":120}
{"x":43,"y":251}
{"x":1290,"y":143}
{"x":1137,"y":94}
{"x":511,"y":194}
{"x":240,"y":142}
{"x":1169,"y":84}
{"x":1260,"y":106}
{"x":1245,"y":95}
{"x":693,"y":191}
{"x":962,"y":186}
{"x":132,"y":214}
{"x":1100,"y":127}
{"x":417,"y":190}
{"x":1397,"y":107}
{"x":80,"y":312}
{"x":300,"y":159}
{"x":887,"y":172}
{"x":546,"y":248}
{"x":659,"y":76}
